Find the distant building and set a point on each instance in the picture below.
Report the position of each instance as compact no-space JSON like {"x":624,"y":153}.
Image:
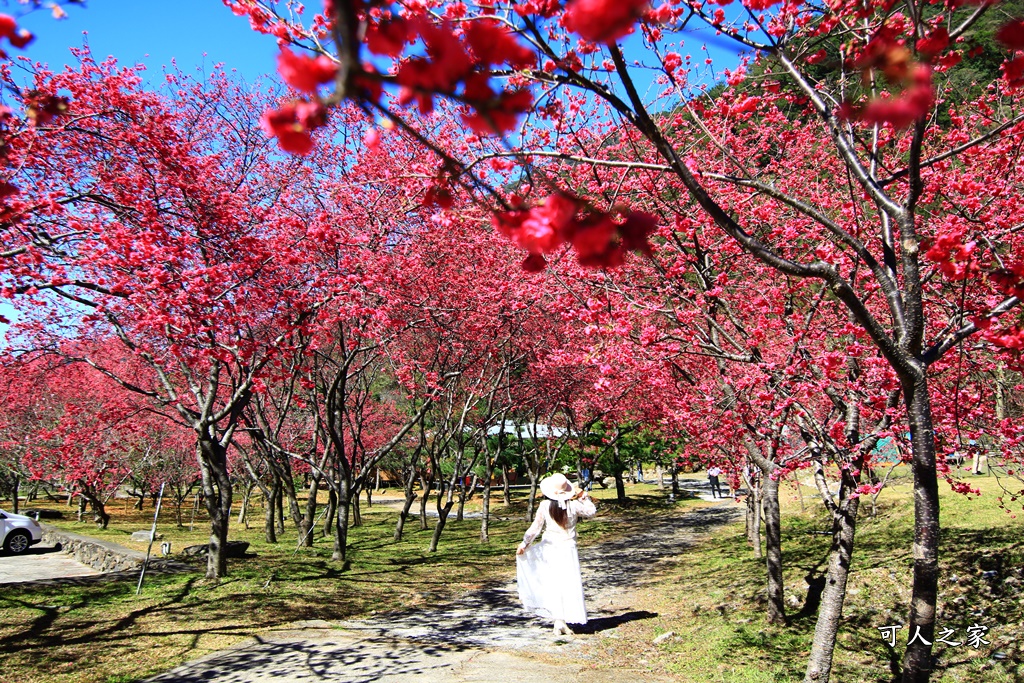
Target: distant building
{"x":527,"y":431}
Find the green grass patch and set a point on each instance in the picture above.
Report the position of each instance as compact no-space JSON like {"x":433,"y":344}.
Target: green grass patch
{"x":713,"y":597}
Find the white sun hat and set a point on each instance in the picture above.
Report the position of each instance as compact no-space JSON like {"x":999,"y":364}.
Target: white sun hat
{"x":557,"y":487}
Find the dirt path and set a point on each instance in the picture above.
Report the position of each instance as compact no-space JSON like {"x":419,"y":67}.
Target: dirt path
{"x":484,"y":636}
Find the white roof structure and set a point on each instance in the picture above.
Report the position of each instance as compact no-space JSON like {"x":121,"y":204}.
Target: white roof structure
{"x":527,"y":431}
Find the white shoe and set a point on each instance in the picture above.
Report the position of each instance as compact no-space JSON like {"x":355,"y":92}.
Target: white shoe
{"x":561,"y":629}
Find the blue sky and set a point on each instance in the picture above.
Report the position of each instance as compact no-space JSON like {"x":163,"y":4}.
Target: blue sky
{"x":153,"y":32}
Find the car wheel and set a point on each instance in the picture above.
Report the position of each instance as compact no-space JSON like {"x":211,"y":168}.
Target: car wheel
{"x":17,"y":542}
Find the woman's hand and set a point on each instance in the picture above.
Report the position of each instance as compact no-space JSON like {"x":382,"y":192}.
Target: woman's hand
{"x":521,"y":549}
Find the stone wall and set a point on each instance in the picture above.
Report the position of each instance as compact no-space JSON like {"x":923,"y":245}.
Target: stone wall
{"x":104,"y":556}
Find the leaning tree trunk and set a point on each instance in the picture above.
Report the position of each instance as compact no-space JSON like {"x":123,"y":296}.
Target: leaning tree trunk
{"x":410,"y":496}
{"x":213,"y":464}
{"x":917,"y":665}
{"x":819,"y":666}
{"x":442,"y":519}
{"x":773,"y":549}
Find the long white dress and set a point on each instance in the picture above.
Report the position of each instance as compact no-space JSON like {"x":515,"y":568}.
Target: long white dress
{"x":548,"y":573}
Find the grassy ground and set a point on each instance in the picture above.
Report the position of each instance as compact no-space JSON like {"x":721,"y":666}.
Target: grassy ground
{"x":104,"y":633}
{"x":711,"y":598}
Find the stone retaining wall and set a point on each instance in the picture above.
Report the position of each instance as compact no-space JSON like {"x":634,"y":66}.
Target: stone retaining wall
{"x":104,"y":556}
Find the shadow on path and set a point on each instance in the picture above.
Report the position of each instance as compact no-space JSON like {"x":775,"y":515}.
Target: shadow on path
{"x":458,"y":641}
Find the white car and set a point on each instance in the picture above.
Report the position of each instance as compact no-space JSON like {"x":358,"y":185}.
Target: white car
{"x":18,"y":532}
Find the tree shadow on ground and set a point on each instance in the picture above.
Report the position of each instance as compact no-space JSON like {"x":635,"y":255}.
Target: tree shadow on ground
{"x":607,"y":623}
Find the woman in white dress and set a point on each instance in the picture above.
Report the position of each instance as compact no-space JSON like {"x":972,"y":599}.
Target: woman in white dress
{"x":548,"y":572}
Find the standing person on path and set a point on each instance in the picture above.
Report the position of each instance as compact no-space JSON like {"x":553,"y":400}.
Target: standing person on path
{"x":548,"y":573}
{"x":713,"y":473}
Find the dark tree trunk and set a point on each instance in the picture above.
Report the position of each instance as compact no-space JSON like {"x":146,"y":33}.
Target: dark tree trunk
{"x":819,"y":666}
{"x":99,"y":512}
{"x":620,"y":485}
{"x":340,"y":553}
{"x":269,"y":509}
{"x":15,"y":485}
{"x":773,"y":549}
{"x":917,"y":665}
{"x":279,"y":503}
{"x":505,"y":486}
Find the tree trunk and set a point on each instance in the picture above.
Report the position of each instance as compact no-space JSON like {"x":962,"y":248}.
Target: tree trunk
{"x":442,"y":518}
{"x":426,"y":483}
{"x":773,"y":549}
{"x":332,"y":510}
{"x":462,"y":503}
{"x":356,"y":510}
{"x":269,"y":509}
{"x":917,"y":665}
{"x":243,"y":510}
{"x":309,"y":518}
{"x":340,"y":553}
{"x":14,"y":495}
{"x":754,"y":523}
{"x":485,"y":511}
{"x":620,"y":485}
{"x":506,"y":492}
{"x":213,"y":464}
{"x":819,"y":666}
{"x":279,"y":503}
{"x":410,"y":496}
{"x":532,"y":502}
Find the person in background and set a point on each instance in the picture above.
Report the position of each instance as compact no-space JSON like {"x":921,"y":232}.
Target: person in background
{"x":713,"y":474}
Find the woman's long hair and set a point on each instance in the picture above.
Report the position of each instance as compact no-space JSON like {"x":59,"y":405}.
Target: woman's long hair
{"x":559,"y":515}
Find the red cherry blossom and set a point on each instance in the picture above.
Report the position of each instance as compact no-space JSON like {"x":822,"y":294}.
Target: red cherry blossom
{"x":602,"y":21}
{"x":1011,"y":34}
{"x":293,"y":124}
{"x":305,"y":73}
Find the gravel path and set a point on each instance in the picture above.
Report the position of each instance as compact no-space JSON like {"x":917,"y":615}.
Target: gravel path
{"x":484,"y":636}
